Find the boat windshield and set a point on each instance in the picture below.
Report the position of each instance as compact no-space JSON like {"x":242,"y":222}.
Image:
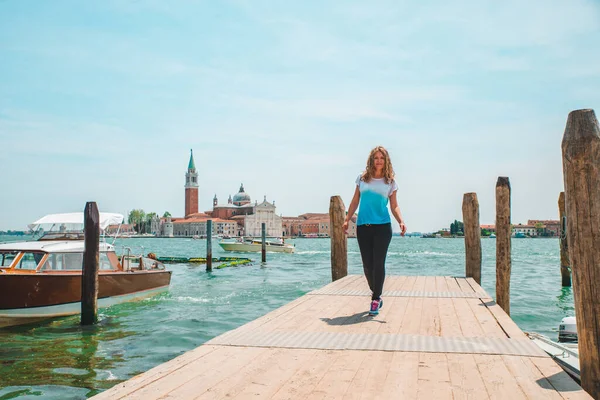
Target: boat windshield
{"x":29,"y":260}
{"x":7,"y":257}
{"x":72,"y":262}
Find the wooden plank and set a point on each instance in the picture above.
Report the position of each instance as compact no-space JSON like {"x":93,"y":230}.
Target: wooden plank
{"x":268,"y":379}
{"x":306,"y":378}
{"x":469,"y":325}
{"x":429,"y":285}
{"x":434,"y":377}
{"x":499,"y":382}
{"x":338,"y":378}
{"x":430,"y":318}
{"x":412,"y":317}
{"x":402,"y":380}
{"x":230,"y":385}
{"x":452,"y":283}
{"x":449,"y":320}
{"x":559,"y":379}
{"x":441,"y":285}
{"x":529,"y":378}
{"x":465,"y":377}
{"x":409,"y":283}
{"x":394,"y":313}
{"x":419,"y":283}
{"x":508,"y":325}
{"x":370,"y":376}
{"x":211,"y":368}
{"x":489,"y":324}
{"x":464,"y":285}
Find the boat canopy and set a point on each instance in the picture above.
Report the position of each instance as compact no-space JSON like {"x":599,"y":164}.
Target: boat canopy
{"x":106,"y":219}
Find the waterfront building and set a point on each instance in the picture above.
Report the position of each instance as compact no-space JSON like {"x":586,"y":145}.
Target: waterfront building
{"x":547,"y":227}
{"x":489,"y":228}
{"x":528,"y":230}
{"x":196,"y":225}
{"x":312,"y":225}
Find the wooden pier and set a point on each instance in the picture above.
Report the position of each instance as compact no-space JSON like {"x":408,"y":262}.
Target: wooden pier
{"x":435,"y":338}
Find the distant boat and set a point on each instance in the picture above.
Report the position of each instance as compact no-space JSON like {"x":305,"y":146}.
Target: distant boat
{"x":520,"y":235}
{"x":493,"y":236}
{"x":255,"y":245}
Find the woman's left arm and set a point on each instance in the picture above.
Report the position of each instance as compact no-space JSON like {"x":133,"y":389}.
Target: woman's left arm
{"x":396,"y":211}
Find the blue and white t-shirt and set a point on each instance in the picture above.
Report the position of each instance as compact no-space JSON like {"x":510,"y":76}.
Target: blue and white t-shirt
{"x":374,"y":197}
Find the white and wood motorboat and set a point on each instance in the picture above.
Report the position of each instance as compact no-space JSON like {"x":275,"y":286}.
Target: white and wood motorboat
{"x":42,"y":279}
{"x":255,"y":245}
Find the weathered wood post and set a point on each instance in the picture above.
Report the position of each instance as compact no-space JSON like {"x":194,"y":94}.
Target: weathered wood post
{"x":89,"y":276}
{"x":263,"y":238}
{"x":470,"y":209}
{"x":339,"y":241}
{"x":564,"y":249}
{"x":581,"y":170}
{"x":209,"y":245}
{"x":503,"y":234}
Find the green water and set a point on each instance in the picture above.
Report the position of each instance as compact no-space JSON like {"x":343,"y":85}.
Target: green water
{"x":61,"y":360}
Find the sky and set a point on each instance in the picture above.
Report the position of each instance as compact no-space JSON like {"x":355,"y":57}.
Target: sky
{"x":103,"y":100}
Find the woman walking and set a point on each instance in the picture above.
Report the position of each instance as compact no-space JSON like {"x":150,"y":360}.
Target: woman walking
{"x":374,"y":187}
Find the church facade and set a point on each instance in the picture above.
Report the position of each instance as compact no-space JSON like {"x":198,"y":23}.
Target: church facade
{"x":239,"y":217}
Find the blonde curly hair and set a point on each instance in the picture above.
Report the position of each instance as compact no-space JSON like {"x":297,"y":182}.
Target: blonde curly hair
{"x":388,"y":170}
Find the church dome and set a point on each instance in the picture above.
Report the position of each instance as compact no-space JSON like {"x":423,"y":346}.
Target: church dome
{"x":241,"y":196}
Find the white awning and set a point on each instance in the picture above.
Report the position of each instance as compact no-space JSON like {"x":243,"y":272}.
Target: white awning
{"x":106,"y":219}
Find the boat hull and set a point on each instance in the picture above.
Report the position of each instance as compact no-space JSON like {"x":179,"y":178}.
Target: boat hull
{"x":33,"y":297}
{"x":255,"y":248}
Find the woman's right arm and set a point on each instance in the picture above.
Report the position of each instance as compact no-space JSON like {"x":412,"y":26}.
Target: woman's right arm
{"x":352,"y":208}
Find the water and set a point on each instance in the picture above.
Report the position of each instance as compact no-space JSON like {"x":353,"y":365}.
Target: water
{"x":59,"y":359}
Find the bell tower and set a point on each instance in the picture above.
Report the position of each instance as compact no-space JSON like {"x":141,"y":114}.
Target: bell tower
{"x":191,"y":187}
{"x":215,"y":201}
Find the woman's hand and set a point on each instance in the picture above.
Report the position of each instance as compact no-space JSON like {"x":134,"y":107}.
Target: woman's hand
{"x":345,"y":227}
{"x":402,"y":228}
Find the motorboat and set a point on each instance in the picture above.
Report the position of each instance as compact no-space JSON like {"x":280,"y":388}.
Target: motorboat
{"x":255,"y":245}
{"x":566,"y":352}
{"x":41,"y":279}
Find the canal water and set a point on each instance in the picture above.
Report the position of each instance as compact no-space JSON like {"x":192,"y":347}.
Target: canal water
{"x":61,"y":360}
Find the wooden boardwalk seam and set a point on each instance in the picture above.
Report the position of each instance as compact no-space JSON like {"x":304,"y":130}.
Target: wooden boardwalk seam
{"x":435,"y":338}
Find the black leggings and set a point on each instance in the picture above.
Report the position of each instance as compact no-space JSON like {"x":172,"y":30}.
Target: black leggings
{"x":373,"y":241}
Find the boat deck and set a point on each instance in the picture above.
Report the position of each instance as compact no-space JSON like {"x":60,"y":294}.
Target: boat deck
{"x":435,"y":338}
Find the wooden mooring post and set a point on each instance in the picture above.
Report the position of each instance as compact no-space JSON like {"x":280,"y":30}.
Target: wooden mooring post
{"x":470,"y":210}
{"x":339,"y":241}
{"x":503,"y":245}
{"x":209,"y":245}
{"x":89,"y":276}
{"x":564,"y":249}
{"x":263,"y":239}
{"x":581,"y":170}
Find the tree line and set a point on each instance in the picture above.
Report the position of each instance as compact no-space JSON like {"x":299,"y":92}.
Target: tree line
{"x":142,"y":222}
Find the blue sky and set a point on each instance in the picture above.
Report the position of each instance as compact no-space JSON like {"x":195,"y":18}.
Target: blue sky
{"x":103,"y":100}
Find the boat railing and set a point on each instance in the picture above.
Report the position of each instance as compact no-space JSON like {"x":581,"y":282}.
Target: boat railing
{"x":566,"y":351}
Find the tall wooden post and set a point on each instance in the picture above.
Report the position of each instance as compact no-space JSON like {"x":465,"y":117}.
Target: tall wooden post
{"x":263,"y":238}
{"x":564,"y":249}
{"x":339,"y":242}
{"x":89,"y":276}
{"x":503,"y":234}
{"x":581,"y":170}
{"x":209,"y":245}
{"x":470,"y":209}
